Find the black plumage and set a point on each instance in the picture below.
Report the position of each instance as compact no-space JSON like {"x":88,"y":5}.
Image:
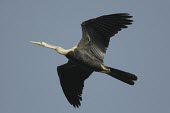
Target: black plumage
{"x":101,"y":29}
{"x":72,"y":81}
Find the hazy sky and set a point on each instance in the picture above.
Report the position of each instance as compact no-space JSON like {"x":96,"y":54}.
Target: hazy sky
{"x":28,"y":79}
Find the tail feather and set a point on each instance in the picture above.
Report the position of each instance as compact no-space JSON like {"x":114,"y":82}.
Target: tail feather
{"x":122,"y":76}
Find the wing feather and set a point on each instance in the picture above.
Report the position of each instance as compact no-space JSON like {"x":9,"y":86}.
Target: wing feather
{"x":98,"y":32}
{"x":72,"y":79}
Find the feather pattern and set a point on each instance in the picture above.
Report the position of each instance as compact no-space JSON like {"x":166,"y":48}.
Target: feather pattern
{"x":100,"y":30}
{"x":72,"y":79}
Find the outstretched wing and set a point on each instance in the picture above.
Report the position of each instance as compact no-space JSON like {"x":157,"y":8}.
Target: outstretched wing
{"x":72,"y":79}
{"x":98,"y":31}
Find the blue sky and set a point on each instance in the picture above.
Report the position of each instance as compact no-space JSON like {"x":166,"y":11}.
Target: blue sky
{"x":28,"y":79}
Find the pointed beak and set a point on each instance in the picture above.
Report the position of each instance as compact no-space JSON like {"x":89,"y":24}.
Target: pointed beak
{"x":38,"y":43}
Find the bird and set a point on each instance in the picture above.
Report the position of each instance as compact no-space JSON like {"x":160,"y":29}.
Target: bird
{"x":88,"y":55}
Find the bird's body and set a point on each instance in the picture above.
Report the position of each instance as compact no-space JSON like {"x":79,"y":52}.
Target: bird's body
{"x":88,"y":55}
{"x":84,"y":59}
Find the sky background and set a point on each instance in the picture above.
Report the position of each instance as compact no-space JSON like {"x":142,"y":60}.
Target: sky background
{"x":28,"y":78}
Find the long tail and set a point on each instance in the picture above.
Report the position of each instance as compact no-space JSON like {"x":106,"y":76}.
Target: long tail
{"x":122,"y":76}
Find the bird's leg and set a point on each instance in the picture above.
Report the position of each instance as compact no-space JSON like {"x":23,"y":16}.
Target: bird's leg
{"x":105,"y":70}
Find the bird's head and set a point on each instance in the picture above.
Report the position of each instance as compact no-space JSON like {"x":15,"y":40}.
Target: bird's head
{"x":39,"y":43}
{"x":44,"y":44}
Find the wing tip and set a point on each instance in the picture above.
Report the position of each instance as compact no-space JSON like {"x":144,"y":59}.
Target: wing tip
{"x":76,"y":105}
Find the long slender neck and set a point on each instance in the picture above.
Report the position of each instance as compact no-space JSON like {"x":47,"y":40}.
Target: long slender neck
{"x":60,"y":50}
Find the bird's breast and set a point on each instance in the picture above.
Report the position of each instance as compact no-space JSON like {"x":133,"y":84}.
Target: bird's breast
{"x":85,"y":59}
